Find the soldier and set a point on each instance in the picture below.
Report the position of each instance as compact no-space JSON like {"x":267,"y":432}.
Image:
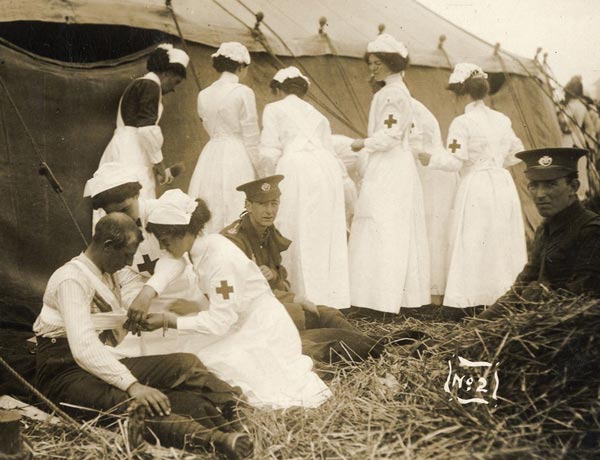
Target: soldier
{"x":321,"y":328}
{"x":566,"y":248}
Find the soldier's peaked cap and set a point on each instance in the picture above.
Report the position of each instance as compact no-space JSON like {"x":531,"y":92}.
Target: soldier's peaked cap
{"x":261,"y":190}
{"x":550,"y":163}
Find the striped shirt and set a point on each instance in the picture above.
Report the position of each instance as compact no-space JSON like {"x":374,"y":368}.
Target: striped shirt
{"x":70,"y":293}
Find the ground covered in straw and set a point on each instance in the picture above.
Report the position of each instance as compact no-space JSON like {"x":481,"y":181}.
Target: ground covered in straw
{"x":547,"y":405}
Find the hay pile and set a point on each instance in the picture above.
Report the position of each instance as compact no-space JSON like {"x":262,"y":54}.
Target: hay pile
{"x":396,"y":407}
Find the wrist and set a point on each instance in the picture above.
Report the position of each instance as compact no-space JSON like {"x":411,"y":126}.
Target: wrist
{"x":132,"y":387}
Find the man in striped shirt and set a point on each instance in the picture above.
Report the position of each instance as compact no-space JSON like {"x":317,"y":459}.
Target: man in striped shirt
{"x":80,"y":323}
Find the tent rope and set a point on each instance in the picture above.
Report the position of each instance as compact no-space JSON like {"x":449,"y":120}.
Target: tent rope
{"x":591,"y":167}
{"x":299,"y":63}
{"x":279,"y":64}
{"x":169,"y":5}
{"x":514,"y":97}
{"x":53,"y":407}
{"x":346,"y":79}
{"x":44,"y":169}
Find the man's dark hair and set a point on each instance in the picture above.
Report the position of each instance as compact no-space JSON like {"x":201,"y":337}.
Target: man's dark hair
{"x":117,"y":228}
{"x":116,"y":194}
{"x":224,"y":64}
{"x":392,"y":61}
{"x":200,"y":217}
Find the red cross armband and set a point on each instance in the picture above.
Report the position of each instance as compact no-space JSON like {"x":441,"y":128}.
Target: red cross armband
{"x":222,"y":290}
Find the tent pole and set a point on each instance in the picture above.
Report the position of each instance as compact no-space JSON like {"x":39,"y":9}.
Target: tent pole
{"x":169,"y":5}
{"x":44,"y":169}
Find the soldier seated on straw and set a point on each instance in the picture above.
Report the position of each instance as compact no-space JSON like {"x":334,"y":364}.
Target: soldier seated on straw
{"x":80,"y":323}
{"x":566,"y":248}
{"x":321,"y":328}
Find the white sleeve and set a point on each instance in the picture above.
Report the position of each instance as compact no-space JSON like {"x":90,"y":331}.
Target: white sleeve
{"x":131,"y":283}
{"x":167,"y":270}
{"x":515,"y":146}
{"x":151,"y":140}
{"x":271,"y":147}
{"x":88,"y":351}
{"x":249,"y":124}
{"x":456,"y":152}
{"x":225,"y":295}
{"x":396,"y":107}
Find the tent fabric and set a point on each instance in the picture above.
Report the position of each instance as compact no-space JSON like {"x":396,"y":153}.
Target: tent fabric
{"x":290,"y":27}
{"x":71,"y":111}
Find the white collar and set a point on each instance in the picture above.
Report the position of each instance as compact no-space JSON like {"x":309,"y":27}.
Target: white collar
{"x":152,"y":76}
{"x":228,"y":77}
{"x":474,"y":105}
{"x":394,"y":78}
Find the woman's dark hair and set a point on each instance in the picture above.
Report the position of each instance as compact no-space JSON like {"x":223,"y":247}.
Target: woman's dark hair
{"x":224,"y":64}
{"x":392,"y":61}
{"x":476,"y":87}
{"x":296,"y":85}
{"x":158,"y":61}
{"x":573,"y":89}
{"x":200,"y":217}
{"x":116,"y":194}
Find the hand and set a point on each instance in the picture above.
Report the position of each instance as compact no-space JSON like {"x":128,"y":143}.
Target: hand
{"x":424,"y":158}
{"x":168,"y":176}
{"x":357,"y":145}
{"x":155,"y":321}
{"x":267,"y":272}
{"x":159,"y":172}
{"x":307,"y":305}
{"x":138,"y":310}
{"x":183,"y":307}
{"x":155,"y":402}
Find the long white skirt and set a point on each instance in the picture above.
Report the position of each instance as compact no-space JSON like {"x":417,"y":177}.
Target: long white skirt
{"x":221,"y":167}
{"x":312,"y":215}
{"x":389,"y":256}
{"x":439,"y":190}
{"x":487,"y":239}
{"x":125,"y":148}
{"x":261,"y":354}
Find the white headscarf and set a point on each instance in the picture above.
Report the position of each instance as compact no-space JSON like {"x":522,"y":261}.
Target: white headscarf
{"x":234,"y":51}
{"x":385,"y":43}
{"x":176,"y":56}
{"x":289,"y":72}
{"x":463,"y":71}
{"x":173,"y":208}
{"x":109,"y":175}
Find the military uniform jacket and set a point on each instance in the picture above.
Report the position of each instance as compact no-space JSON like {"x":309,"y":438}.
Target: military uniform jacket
{"x":263,"y":250}
{"x":566,"y":252}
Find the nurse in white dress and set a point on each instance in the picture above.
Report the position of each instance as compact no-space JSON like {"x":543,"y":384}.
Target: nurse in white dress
{"x":245,"y":335}
{"x":439,"y":189}
{"x":137,"y":141}
{"x":389,"y":256}
{"x":487,"y":235}
{"x":227,"y":109}
{"x":296,"y":142}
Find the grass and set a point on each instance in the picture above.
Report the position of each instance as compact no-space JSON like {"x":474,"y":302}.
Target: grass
{"x":396,"y":407}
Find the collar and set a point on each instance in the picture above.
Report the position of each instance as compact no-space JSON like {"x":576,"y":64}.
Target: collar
{"x":395,"y":78}
{"x":249,"y":228}
{"x":475,"y":105}
{"x":281,"y":243}
{"x":152,"y":76}
{"x":563,"y":218}
{"x":228,"y":77}
{"x":90,"y":264}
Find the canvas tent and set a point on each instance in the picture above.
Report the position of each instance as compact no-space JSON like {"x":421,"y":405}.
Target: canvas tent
{"x":69,"y":108}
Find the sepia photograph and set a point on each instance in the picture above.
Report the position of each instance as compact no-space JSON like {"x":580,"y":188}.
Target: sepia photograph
{"x":289,"y":230}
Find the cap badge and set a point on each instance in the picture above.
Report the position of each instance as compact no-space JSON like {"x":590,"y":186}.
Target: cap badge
{"x":265,"y":187}
{"x":545,"y":160}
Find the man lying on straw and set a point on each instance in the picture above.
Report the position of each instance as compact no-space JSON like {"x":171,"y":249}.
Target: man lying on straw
{"x":325,"y":333}
{"x":566,"y":248}
{"x":81,"y":320}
